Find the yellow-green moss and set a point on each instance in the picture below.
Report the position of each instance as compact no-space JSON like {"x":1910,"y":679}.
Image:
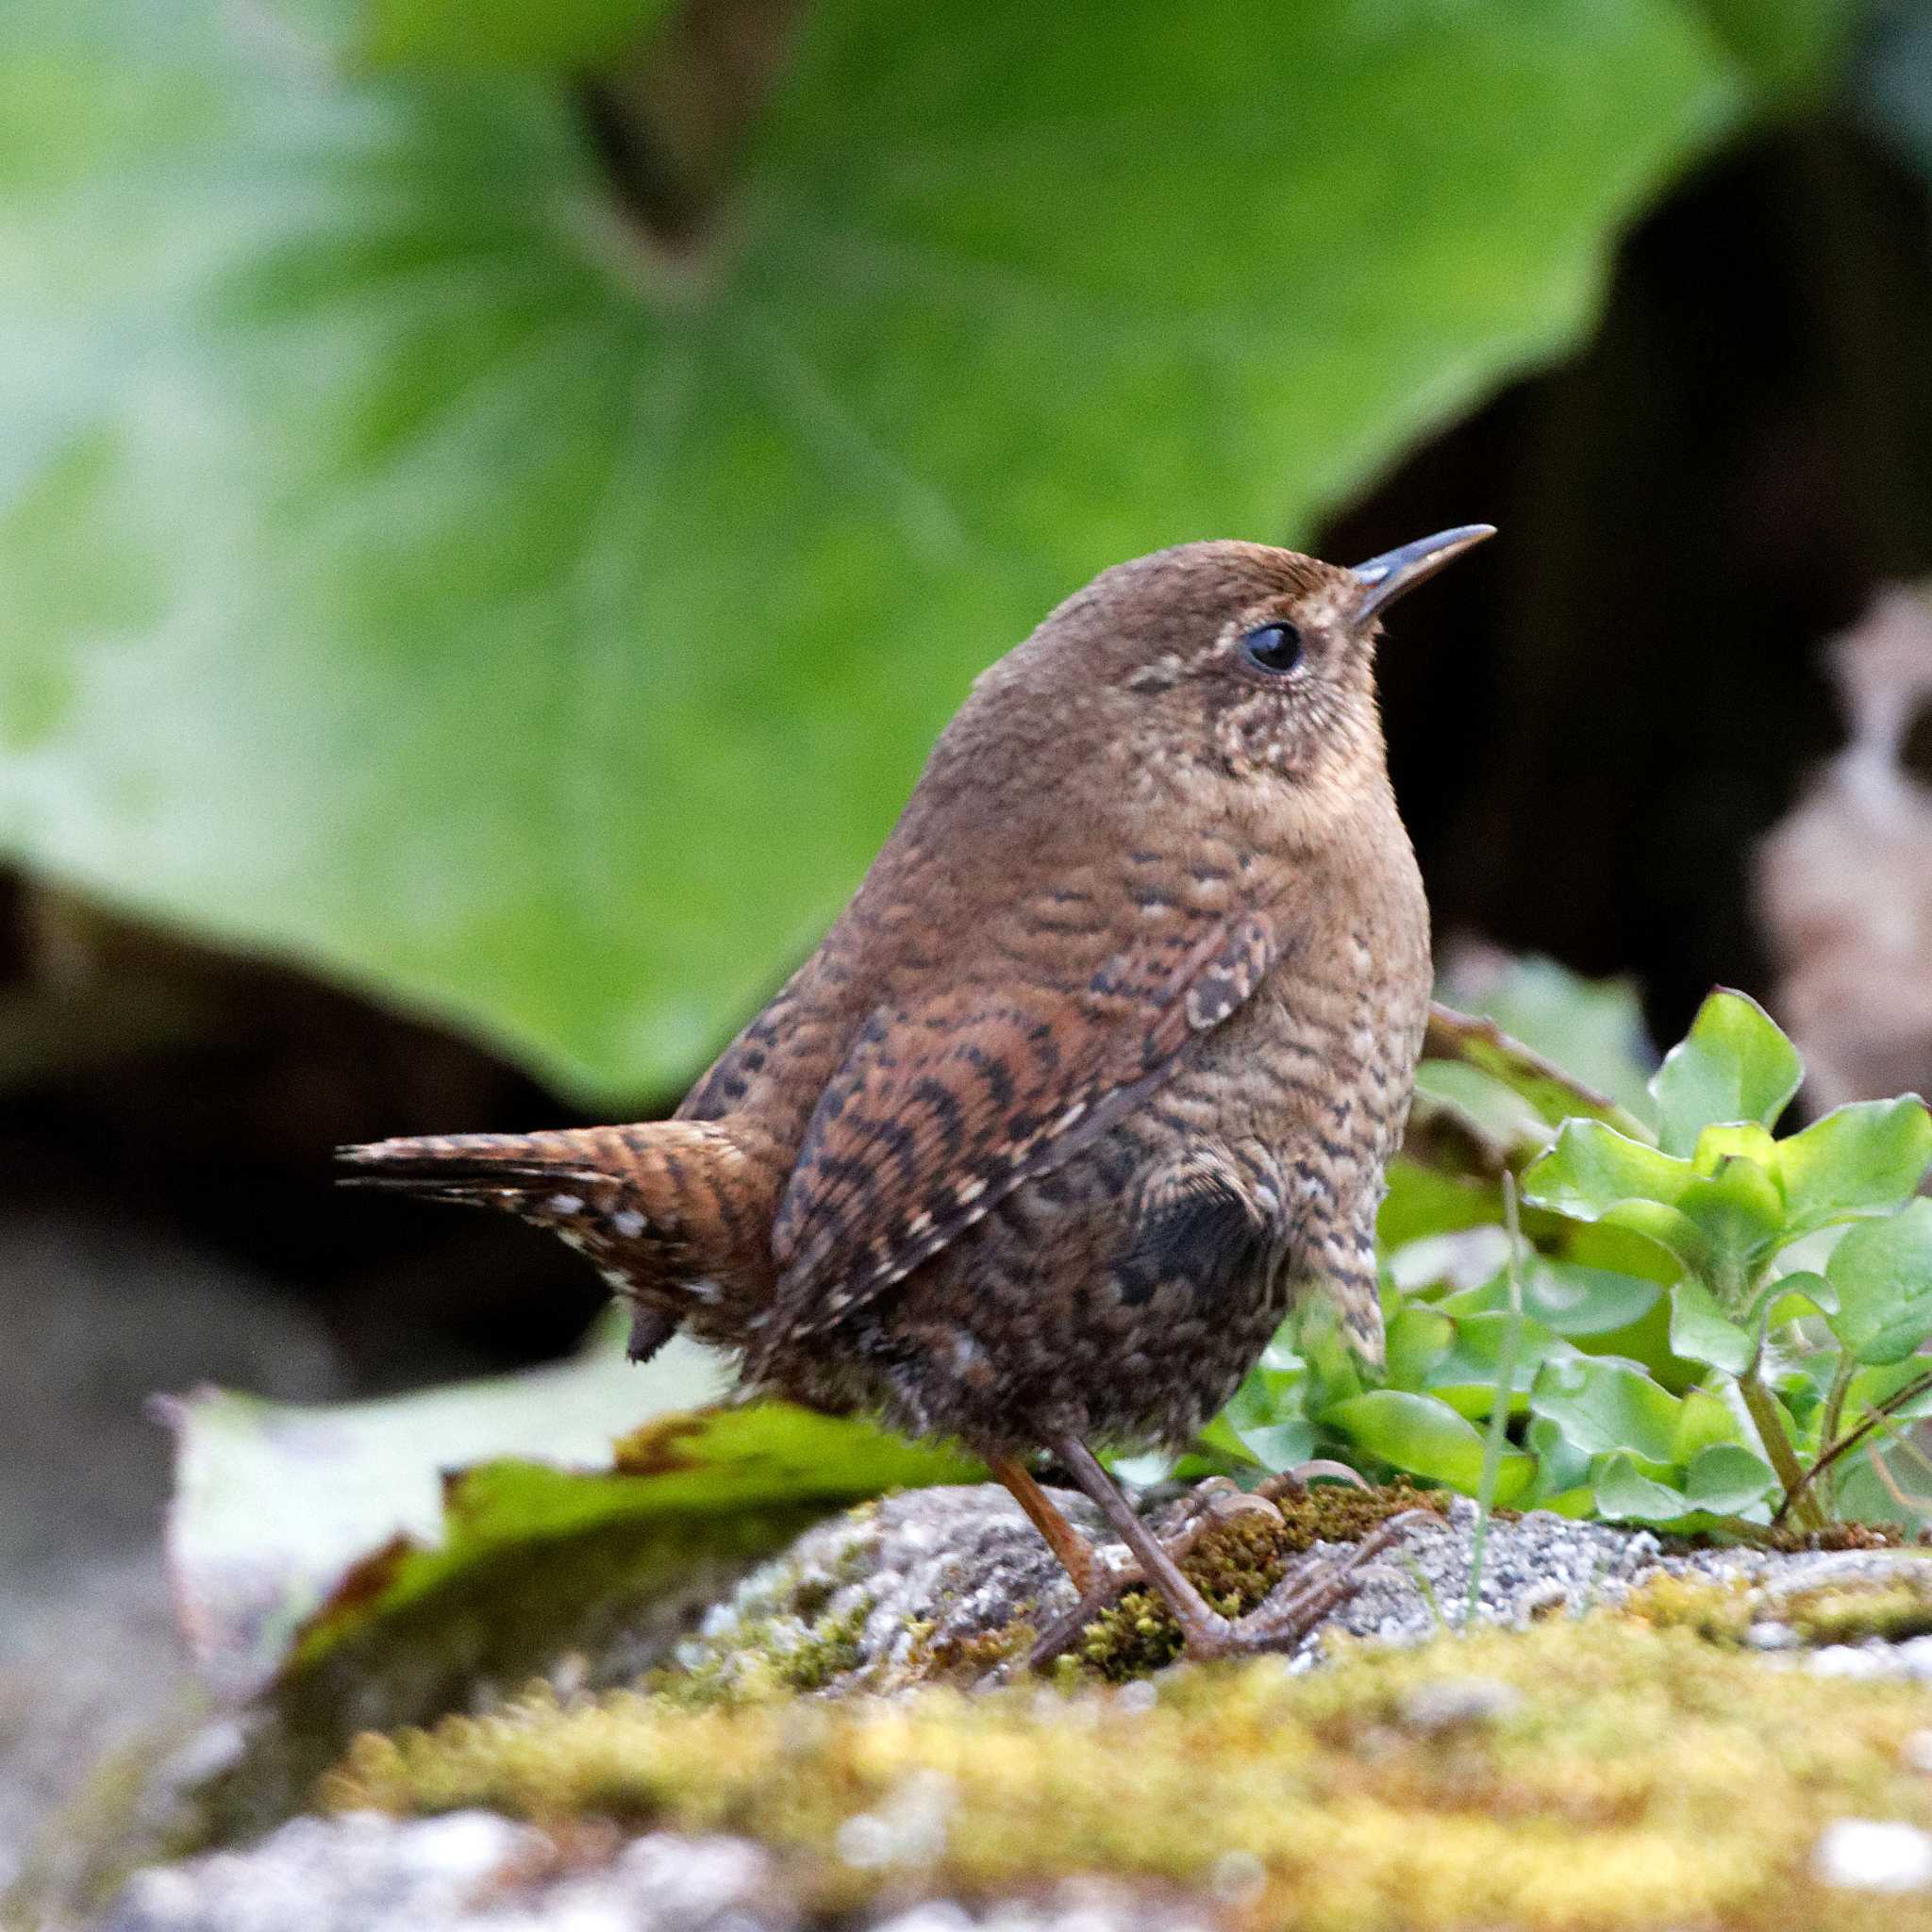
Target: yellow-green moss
{"x":1893,"y":1608}
{"x":1629,"y":1776}
{"x":1235,"y":1565}
{"x":1848,"y":1609}
{"x":1719,"y":1611}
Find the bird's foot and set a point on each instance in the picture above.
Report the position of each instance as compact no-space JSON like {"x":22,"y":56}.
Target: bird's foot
{"x":1213,"y":1503}
{"x":1311,"y":1590}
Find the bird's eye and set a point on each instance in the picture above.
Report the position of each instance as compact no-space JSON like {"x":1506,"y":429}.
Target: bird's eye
{"x":1273,"y":647}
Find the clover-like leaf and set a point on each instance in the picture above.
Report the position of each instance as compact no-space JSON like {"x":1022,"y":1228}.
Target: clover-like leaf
{"x":1734,"y":1064}
{"x":1426,"y":1437}
{"x":408,"y":569}
{"x":1882,"y":1273}
{"x":1861,"y":1158}
{"x":1603,"y":1405}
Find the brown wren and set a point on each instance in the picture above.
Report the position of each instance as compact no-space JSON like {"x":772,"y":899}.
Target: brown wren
{"x":1094,"y":1077}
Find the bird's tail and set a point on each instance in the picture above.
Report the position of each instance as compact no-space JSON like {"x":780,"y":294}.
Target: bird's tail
{"x":652,"y":1205}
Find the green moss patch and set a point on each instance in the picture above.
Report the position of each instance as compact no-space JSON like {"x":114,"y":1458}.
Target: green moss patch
{"x":1609,"y":1775}
{"x":1235,"y":1565}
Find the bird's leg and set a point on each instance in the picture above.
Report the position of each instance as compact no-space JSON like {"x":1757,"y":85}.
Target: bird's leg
{"x":1067,"y":1543}
{"x":1287,"y":1615}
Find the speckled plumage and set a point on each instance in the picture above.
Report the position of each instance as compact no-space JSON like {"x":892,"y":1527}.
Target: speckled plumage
{"x":1097,"y":1072}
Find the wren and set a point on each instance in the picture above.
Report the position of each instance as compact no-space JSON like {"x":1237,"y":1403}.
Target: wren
{"x":1094,"y":1077}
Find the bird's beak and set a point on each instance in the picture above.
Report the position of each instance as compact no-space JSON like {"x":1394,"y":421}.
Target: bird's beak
{"x":1386,"y":577}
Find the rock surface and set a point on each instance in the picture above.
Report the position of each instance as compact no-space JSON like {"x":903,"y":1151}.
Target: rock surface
{"x":843,"y":1612}
{"x":856,"y":1594}
{"x":473,"y":1872}
{"x":97,"y":1318}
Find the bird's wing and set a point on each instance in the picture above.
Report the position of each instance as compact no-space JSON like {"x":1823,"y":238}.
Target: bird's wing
{"x":943,"y":1107}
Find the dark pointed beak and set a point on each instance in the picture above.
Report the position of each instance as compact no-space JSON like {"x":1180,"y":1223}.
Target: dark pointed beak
{"x":1386,"y":577}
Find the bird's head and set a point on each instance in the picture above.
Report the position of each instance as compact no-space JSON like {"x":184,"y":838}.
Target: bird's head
{"x":1250,"y":666}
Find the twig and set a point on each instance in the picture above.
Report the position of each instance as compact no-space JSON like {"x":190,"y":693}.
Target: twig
{"x":1846,"y":1443}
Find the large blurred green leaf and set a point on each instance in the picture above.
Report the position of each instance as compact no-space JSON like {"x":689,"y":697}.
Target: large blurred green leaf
{"x":402,"y":571}
{"x":294,"y":1528}
{"x":565,"y":34}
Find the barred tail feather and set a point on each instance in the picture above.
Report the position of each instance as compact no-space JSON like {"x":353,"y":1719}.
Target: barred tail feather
{"x":496,"y":1169}
{"x":652,"y":1207}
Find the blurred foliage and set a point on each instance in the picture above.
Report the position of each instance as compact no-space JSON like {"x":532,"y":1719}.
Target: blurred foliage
{"x":495,"y":502}
{"x":1732,"y":1381}
{"x":297,"y":1530}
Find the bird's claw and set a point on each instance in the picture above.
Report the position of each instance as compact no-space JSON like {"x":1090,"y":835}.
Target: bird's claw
{"x":1308,"y":1592}
{"x":1311,"y":1589}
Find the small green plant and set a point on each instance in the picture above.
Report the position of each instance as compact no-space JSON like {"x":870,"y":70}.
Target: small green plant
{"x":1712,"y":1327}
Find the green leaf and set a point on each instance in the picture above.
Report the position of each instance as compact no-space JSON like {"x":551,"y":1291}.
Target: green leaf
{"x":1734,"y":1064}
{"x":1278,"y":1446}
{"x":1872,"y":1388}
{"x":1723,"y":1481}
{"x":1415,"y":1340}
{"x":561,"y":35}
{"x":1426,"y":1437}
{"x":1790,"y":1298}
{"x":275,"y":1504}
{"x":294,"y":1528}
{"x":1626,"y":1495}
{"x":1564,"y":1296}
{"x":1738,"y":1140}
{"x":1718,"y":1222}
{"x":1861,"y":1158}
{"x":1705,"y":1421}
{"x":1562,"y":1469}
{"x":1467,"y":1374}
{"x":404,"y":570}
{"x":1728,"y":1480}
{"x":1882,"y":1273}
{"x":1591,"y":1169}
{"x":1739,"y":1212}
{"x":1603,"y":1405}
{"x":1701,"y":1332}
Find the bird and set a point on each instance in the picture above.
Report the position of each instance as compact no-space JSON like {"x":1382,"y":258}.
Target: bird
{"x":1094,"y":1079}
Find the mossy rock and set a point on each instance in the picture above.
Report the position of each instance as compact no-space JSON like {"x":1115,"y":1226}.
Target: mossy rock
{"x":1600,"y":1775}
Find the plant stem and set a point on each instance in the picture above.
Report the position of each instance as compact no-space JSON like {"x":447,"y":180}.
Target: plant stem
{"x":1499,"y":1413}
{"x":1769,"y":1419}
